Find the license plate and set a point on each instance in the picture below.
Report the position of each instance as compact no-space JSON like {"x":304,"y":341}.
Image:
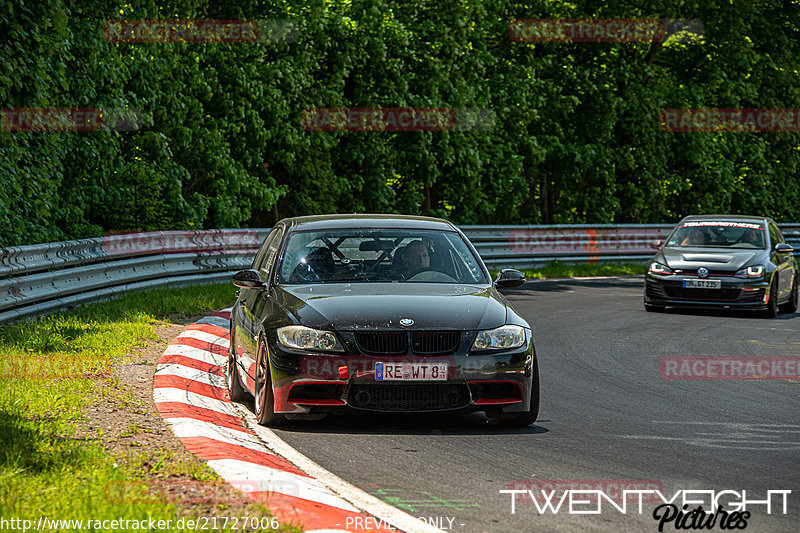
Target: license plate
{"x":410,"y":371}
{"x":702,"y":284}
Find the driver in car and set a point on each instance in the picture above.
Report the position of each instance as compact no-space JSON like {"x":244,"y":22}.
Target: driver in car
{"x":414,"y":258}
{"x":696,"y":237}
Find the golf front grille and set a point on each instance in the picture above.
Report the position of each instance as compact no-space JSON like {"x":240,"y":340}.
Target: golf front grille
{"x":408,"y":396}
{"x":722,"y":295}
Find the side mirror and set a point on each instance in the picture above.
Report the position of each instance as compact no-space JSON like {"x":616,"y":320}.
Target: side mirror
{"x":783,"y":248}
{"x":657,"y":244}
{"x":248,"y":279}
{"x":508,"y":278}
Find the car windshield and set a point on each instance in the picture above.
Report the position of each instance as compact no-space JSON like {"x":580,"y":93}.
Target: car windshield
{"x":718,"y":234}
{"x":378,"y":255}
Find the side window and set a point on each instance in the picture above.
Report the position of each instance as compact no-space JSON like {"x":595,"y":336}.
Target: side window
{"x":263,"y":251}
{"x":775,"y":234}
{"x":265,"y":267}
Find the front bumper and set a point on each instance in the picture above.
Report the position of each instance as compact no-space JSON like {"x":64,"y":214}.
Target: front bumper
{"x":321,"y":382}
{"x":735,"y":292}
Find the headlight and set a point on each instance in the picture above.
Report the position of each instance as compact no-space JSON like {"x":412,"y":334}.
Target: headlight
{"x":658,"y":268}
{"x":501,"y":338}
{"x":303,"y":338}
{"x":755,"y":271}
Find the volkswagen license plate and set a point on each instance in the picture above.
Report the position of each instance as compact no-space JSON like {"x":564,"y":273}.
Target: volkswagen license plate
{"x":702,"y":284}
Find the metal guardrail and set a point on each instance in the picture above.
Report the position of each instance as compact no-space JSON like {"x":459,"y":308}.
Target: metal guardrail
{"x":41,"y":278}
{"x":535,"y":246}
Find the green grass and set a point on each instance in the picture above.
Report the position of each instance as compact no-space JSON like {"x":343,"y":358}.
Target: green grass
{"x":48,"y":466}
{"x":557,"y":269}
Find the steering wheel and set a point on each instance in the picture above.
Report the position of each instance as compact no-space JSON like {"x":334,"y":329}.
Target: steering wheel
{"x":429,"y":274}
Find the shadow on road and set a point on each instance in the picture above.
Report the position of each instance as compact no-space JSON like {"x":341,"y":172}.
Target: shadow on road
{"x":728,"y":313}
{"x":409,"y":424}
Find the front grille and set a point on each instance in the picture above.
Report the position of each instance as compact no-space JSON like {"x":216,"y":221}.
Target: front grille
{"x":408,"y":396}
{"x":722,"y":295}
{"x":382,"y":342}
{"x":435,"y":342}
{"x":654,"y":291}
{"x":711,"y":273}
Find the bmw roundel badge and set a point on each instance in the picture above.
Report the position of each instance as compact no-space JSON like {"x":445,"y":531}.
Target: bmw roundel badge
{"x":406,"y":322}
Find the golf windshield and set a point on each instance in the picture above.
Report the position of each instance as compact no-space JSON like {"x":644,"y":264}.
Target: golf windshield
{"x":719,"y":234}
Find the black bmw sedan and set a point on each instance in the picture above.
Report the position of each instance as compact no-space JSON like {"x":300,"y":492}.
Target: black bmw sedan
{"x":723,"y":261}
{"x":378,"y":313}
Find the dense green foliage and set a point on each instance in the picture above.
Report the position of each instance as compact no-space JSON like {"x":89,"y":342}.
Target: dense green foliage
{"x":577,"y":135}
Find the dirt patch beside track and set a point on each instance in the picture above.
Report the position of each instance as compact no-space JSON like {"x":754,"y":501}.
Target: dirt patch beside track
{"x":125,"y":419}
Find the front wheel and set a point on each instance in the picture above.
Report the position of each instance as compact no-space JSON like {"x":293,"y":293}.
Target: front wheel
{"x":791,"y":305}
{"x":772,"y":303}
{"x":264,"y":398}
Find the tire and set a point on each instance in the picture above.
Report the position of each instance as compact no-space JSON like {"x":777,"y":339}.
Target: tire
{"x":236,"y":390}
{"x":791,"y":305}
{"x":772,"y":304}
{"x":264,"y":398}
{"x":522,"y":420}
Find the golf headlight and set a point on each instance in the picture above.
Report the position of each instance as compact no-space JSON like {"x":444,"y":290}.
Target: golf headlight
{"x":303,"y":338}
{"x":755,"y":271}
{"x":501,"y":338}
{"x":658,"y":268}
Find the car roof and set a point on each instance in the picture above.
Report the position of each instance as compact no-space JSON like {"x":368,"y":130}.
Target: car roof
{"x":366,"y":221}
{"x":727,"y":218}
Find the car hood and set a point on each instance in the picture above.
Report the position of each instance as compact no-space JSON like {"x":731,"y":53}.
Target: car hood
{"x":711,"y":258}
{"x":350,"y":306}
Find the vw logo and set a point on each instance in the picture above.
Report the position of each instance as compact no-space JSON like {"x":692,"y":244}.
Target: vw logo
{"x":406,"y":322}
{"x":702,"y":272}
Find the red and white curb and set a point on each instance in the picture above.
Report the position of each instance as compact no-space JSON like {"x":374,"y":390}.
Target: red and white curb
{"x":190,"y":392}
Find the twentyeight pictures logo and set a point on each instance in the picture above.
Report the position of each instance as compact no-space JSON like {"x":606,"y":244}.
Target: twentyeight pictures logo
{"x":683,"y":509}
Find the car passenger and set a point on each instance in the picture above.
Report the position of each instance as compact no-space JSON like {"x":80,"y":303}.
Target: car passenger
{"x":753,"y":237}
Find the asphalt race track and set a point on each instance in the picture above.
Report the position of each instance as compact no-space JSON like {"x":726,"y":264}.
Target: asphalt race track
{"x":606,"y":415}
